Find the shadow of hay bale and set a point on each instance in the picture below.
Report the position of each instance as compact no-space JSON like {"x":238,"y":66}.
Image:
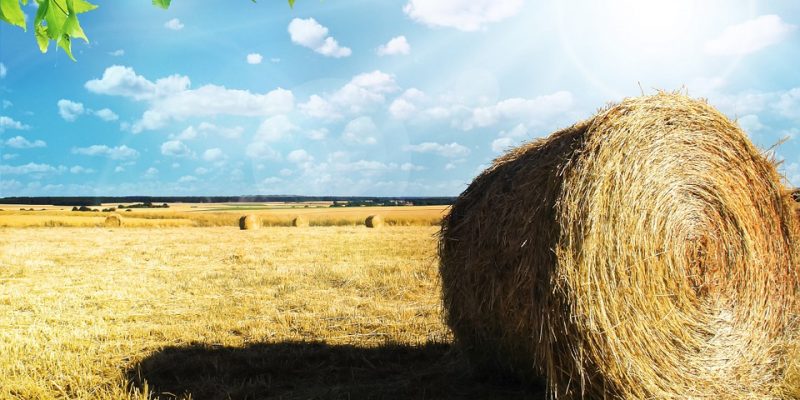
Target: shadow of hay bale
{"x":303,"y":370}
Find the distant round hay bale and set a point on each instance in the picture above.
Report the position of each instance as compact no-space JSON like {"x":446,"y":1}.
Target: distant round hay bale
{"x":374,"y":221}
{"x":248,"y":222}
{"x":647,"y":252}
{"x":300,"y":221}
{"x":113,"y":221}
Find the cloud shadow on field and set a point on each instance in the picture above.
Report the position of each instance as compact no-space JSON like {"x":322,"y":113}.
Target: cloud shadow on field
{"x":315,"y":370}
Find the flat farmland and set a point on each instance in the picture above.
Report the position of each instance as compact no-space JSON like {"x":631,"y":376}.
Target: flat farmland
{"x":222,"y":214}
{"x":219,"y":313}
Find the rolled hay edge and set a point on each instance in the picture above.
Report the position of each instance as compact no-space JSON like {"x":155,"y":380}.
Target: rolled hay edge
{"x":113,"y":221}
{"x":249,"y":222}
{"x":647,"y":252}
{"x":374,"y":221}
{"x":300,"y":221}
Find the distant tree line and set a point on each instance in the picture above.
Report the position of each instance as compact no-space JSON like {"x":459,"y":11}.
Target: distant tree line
{"x":96,"y":201}
{"x":146,"y":204}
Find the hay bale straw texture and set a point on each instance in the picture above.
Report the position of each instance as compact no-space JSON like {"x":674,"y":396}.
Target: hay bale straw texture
{"x":248,"y":222}
{"x":645,"y":253}
{"x":374,"y":221}
{"x":300,"y":221}
{"x":113,"y":221}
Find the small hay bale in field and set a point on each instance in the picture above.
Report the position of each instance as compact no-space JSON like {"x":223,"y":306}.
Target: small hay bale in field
{"x":374,"y":221}
{"x":113,"y":221}
{"x":647,"y":252}
{"x":300,"y":221}
{"x":248,"y":222}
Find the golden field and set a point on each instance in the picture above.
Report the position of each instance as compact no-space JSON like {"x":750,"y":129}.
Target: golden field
{"x":209,"y":215}
{"x":217,"y":313}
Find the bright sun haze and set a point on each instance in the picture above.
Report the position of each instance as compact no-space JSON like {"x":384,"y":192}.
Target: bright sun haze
{"x":345,"y":98}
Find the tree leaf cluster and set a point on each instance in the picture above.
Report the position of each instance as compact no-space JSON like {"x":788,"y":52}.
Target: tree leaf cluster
{"x":57,"y":20}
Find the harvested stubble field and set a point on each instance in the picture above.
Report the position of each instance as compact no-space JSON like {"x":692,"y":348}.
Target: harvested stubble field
{"x":218,"y":313}
{"x":185,"y":215}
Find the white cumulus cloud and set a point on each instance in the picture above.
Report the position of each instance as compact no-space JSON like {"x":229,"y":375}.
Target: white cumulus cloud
{"x":361,"y":130}
{"x":77,"y":169}
{"x":115,"y":153}
{"x":750,"y":123}
{"x":362,"y":93}
{"x":788,"y":103}
{"x":10,"y":123}
{"x":465,"y":15}
{"x":123,"y":81}
{"x":70,"y":110}
{"x":397,"y":46}
{"x":3,"y":71}
{"x":175,"y":148}
{"x":317,"y":134}
{"x":213,"y":154}
{"x":19,"y":142}
{"x":299,"y":156}
{"x":501,"y":144}
{"x":309,"y":33}
{"x":532,"y":111}
{"x":318,"y":107}
{"x":750,"y":36}
{"x":31,"y":168}
{"x":405,"y":106}
{"x":254,"y":58}
{"x":262,"y":151}
{"x":450,"y":150}
{"x":106,"y":115}
{"x":171,"y":99}
{"x":174,"y":24}
{"x":275,"y":128}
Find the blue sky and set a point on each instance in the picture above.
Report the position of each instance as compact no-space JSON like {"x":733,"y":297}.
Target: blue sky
{"x":345,"y":97}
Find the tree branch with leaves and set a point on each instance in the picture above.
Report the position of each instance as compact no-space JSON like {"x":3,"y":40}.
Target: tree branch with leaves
{"x":57,"y":20}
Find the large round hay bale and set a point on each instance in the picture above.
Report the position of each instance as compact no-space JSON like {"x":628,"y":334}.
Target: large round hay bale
{"x":248,"y":222}
{"x":647,"y":252}
{"x":113,"y":221}
{"x":374,"y":221}
{"x":300,"y":221}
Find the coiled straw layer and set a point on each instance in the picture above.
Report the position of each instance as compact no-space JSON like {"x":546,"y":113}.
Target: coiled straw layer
{"x":648,"y":252}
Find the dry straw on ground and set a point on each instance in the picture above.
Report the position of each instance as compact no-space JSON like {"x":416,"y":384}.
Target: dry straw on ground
{"x":248,"y":222}
{"x":647,"y":252}
{"x":113,"y":220}
{"x":300,"y":221}
{"x":374,"y":221}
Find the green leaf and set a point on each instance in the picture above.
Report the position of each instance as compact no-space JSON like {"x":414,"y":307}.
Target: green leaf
{"x":55,"y":17}
{"x":71,"y":26}
{"x":162,"y":3}
{"x":82,"y":6}
{"x":39,"y":30}
{"x":66,"y":43}
{"x":40,"y":13}
{"x":11,"y":12}
{"x":291,"y":3}
{"x":41,"y":38}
